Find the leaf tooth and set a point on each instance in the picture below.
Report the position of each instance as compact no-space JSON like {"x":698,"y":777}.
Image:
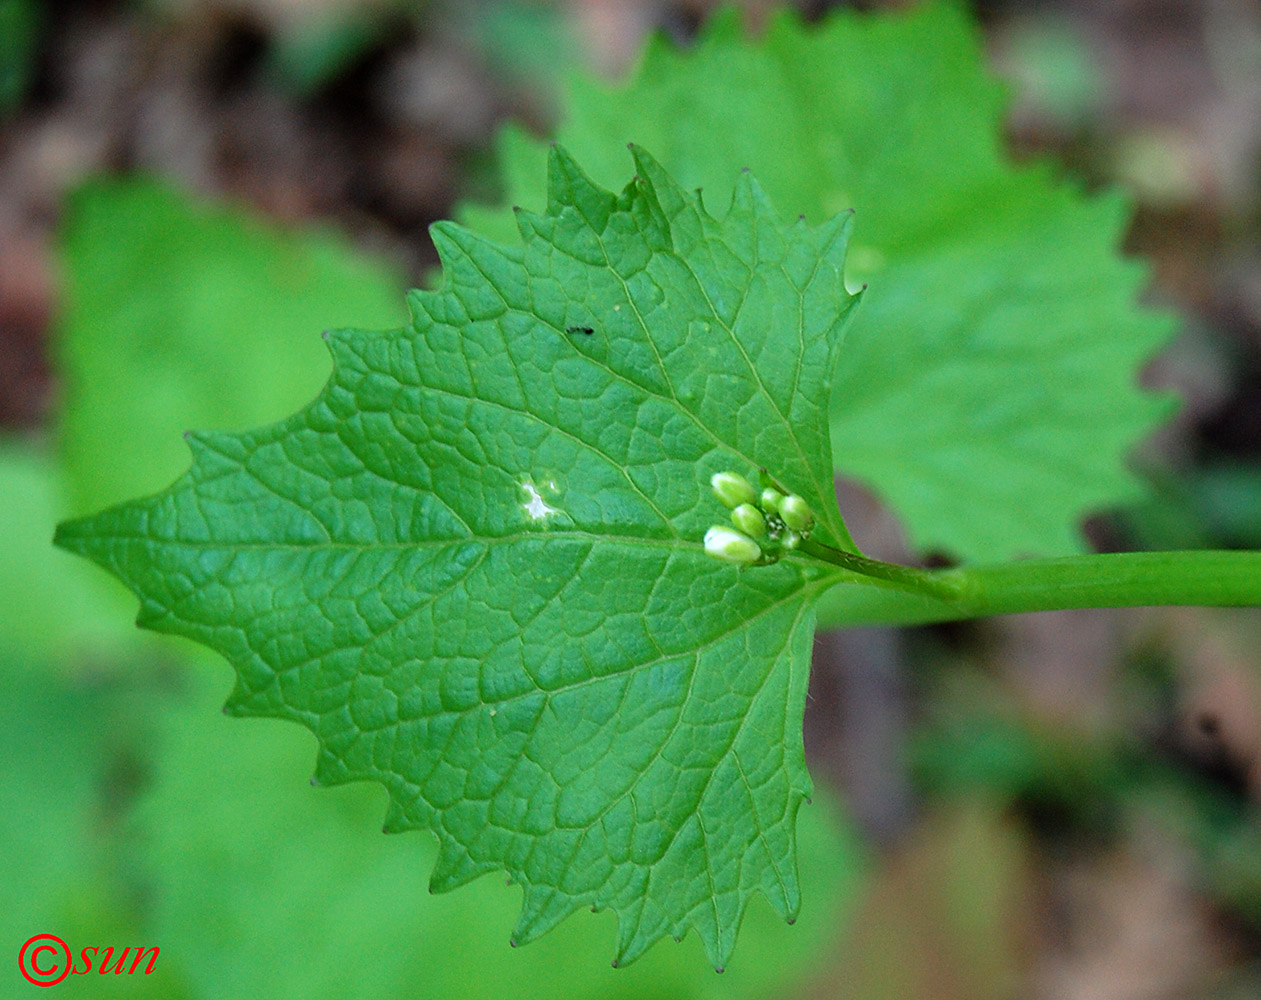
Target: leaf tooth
{"x":80,"y":536}
{"x":792,"y":902}
{"x":654,"y":174}
{"x":542,"y":908}
{"x":347,"y":356}
{"x":637,"y":931}
{"x":569,"y":186}
{"x":339,"y":341}
{"x":329,"y":770}
{"x":415,"y":306}
{"x":832,"y":236}
{"x":396,"y":820}
{"x":749,"y":199}
{"x":94,"y":538}
{"x":454,"y":866}
{"x":663,"y":197}
{"x":719,"y":948}
{"x":784,"y":894}
{"x":471,"y":262}
{"x":152,"y":615}
{"x":202,"y":443}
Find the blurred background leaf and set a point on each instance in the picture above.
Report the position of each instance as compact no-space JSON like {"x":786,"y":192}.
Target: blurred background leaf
{"x":179,"y":316}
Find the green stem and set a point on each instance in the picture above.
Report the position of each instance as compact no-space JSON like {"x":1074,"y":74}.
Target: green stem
{"x":1129,"y":579}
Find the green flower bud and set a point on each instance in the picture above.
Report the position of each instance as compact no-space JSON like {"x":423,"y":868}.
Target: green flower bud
{"x":796,"y":513}
{"x":771,"y":499}
{"x":790,"y":540}
{"x":732,"y":489}
{"x":749,"y":519}
{"x":731,"y":546}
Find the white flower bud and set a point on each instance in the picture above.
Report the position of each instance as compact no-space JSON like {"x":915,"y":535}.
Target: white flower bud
{"x":796,"y":513}
{"x":749,"y":519}
{"x":732,"y":489}
{"x":771,"y":499}
{"x":731,"y":546}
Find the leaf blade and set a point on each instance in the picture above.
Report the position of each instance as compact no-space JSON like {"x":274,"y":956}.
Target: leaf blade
{"x":472,"y":567}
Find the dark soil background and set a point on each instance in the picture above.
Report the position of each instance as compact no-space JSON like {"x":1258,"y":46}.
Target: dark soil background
{"x":1013,"y":755}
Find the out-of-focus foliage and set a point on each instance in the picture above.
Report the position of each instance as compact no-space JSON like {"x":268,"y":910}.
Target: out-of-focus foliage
{"x":948,"y":916}
{"x":976,"y":742}
{"x":181,"y":316}
{"x":52,"y":611}
{"x":979,"y":743}
{"x":19,"y":33}
{"x":525,"y":41}
{"x":318,"y":48}
{"x":525,"y":44}
{"x":1215,"y":505}
{"x":1053,"y":72}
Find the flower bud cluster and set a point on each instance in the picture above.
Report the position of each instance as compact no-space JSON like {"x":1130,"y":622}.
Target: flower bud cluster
{"x":765,"y":523}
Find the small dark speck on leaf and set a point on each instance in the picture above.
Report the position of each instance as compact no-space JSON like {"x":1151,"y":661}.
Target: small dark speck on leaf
{"x":791,"y":921}
{"x":324,"y":335}
{"x":719,"y":969}
{"x":614,"y":963}
{"x":516,"y":208}
{"x":512,"y":942}
{"x":580,"y":329}
{"x":744,"y":170}
{"x":802,"y":217}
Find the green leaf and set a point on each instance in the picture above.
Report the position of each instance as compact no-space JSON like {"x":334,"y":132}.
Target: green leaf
{"x":180,"y":315}
{"x":987,"y":388}
{"x":473,"y":566}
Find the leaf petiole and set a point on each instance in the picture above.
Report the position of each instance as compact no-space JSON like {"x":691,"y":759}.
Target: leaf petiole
{"x":1127,"y":579}
{"x":928,"y":583}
